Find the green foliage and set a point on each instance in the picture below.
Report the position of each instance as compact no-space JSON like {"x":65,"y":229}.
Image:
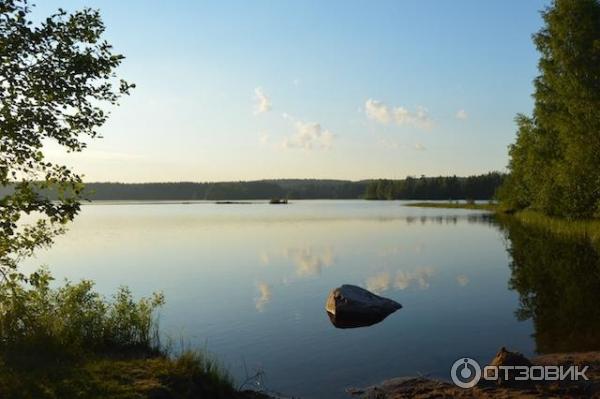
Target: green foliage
{"x":436,"y":188}
{"x":555,"y":161}
{"x":71,"y":342}
{"x":39,"y":321}
{"x":54,"y":76}
{"x":189,"y":375}
{"x":575,"y":230}
{"x":195,"y":365}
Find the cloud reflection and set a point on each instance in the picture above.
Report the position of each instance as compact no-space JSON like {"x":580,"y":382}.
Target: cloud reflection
{"x":308,"y":261}
{"x":265,"y":295}
{"x":379,"y":282}
{"x":462,"y":280}
{"x":383,"y":281}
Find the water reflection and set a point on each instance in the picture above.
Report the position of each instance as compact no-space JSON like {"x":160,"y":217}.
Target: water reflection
{"x":265,"y":295}
{"x":249,"y":283}
{"x":309,"y":261}
{"x":462,"y":280}
{"x":558,"y":281}
{"x":383,"y":281}
{"x":483,"y":218}
{"x":354,"y":322}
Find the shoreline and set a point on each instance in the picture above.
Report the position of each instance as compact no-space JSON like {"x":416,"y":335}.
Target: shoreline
{"x":429,"y":388}
{"x":588,"y":229}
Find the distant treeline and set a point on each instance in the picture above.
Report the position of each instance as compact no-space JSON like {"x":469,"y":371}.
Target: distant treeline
{"x":243,"y":190}
{"x":473,"y":187}
{"x":480,"y":187}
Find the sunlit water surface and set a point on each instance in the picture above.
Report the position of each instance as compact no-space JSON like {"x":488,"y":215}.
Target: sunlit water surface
{"x":249,"y":283}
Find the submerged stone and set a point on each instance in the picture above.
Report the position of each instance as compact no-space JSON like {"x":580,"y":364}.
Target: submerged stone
{"x":350,"y":306}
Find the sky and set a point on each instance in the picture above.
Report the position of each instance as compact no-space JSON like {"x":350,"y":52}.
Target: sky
{"x":353,"y":89}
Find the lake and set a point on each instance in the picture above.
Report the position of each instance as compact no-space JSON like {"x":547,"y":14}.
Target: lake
{"x":249,"y":284}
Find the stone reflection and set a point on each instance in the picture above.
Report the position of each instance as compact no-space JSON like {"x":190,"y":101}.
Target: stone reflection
{"x":354,"y":322}
{"x":558,"y":281}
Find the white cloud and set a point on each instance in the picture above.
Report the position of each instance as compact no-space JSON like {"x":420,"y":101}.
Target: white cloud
{"x":461,"y":114}
{"x":377,"y":111}
{"x":263,"y":102}
{"x":420,"y":118}
{"x":420,"y":147}
{"x":264,"y":138}
{"x":382,"y":113}
{"x":309,"y":135}
{"x":389,"y":143}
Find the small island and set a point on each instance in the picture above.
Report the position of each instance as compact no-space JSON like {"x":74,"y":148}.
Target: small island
{"x":278,"y":201}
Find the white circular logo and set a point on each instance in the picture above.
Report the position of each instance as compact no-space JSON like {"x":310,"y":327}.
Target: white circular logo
{"x":465,"y":372}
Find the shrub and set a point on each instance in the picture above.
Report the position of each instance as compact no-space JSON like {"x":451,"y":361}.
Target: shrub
{"x":37,"y":320}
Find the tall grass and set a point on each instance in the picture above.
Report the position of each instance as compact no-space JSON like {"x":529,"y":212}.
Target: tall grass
{"x":588,"y":229}
{"x":59,"y":340}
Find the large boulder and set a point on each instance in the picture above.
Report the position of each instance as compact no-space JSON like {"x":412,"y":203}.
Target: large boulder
{"x":354,"y":305}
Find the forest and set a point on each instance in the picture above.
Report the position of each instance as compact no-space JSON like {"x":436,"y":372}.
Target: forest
{"x":480,"y":187}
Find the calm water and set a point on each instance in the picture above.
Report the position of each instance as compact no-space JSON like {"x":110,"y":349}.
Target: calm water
{"x":249,"y":282}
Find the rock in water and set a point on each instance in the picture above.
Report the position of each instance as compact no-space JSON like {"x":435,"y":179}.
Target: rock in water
{"x":350,"y":301}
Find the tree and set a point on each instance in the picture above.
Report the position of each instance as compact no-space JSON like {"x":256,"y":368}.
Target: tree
{"x":54,"y":78}
{"x":555,"y":162}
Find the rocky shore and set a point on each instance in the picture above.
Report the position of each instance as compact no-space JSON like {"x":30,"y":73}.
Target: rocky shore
{"x":426,"y":388}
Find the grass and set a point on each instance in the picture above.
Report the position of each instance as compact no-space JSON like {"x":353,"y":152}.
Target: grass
{"x":578,"y":229}
{"x":71,"y":342}
{"x":189,"y":375}
{"x":588,"y":229}
{"x":455,"y":205}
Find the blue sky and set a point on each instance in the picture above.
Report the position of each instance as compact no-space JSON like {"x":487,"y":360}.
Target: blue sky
{"x":238,"y":90}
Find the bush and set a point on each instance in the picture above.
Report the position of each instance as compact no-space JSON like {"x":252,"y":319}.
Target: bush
{"x":37,"y":320}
